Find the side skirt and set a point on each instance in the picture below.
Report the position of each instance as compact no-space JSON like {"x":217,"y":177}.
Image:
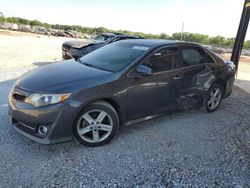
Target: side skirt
{"x":139,"y":120}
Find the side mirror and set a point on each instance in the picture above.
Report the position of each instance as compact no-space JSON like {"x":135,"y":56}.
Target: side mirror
{"x":142,"y":70}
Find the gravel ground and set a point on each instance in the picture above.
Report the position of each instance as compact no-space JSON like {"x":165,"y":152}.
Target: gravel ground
{"x":187,"y":149}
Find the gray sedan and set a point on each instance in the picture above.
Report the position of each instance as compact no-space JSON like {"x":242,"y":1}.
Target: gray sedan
{"x":119,"y":84}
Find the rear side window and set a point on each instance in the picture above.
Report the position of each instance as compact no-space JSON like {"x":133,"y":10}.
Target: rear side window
{"x":163,"y":60}
{"x":195,"y":56}
{"x":208,"y":59}
{"x":216,"y":58}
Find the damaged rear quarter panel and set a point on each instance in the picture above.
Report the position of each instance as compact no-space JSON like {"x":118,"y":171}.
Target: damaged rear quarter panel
{"x":196,"y":82}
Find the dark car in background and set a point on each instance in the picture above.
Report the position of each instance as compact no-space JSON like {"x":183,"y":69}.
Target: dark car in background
{"x":76,"y":49}
{"x":119,"y":84}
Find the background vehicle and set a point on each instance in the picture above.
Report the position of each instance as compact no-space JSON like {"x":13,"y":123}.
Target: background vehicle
{"x":119,"y":84}
{"x":77,"y":49}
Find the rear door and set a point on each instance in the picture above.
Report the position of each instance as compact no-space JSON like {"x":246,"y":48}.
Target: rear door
{"x":197,"y":75}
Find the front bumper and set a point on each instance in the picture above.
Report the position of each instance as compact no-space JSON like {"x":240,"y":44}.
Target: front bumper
{"x":58,"y":119}
{"x":229,"y":85}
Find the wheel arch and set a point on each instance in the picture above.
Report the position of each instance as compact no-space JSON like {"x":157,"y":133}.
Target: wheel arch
{"x":223,"y":84}
{"x":113,"y":102}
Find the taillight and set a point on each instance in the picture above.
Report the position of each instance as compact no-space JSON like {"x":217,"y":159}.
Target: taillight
{"x":231,"y":66}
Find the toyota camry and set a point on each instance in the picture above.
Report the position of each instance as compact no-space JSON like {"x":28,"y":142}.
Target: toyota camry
{"x":119,"y":84}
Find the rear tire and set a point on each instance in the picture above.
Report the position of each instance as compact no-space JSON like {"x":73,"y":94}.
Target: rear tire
{"x":213,"y":98}
{"x":96,"y":125}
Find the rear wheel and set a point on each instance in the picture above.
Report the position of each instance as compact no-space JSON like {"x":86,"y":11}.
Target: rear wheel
{"x":213,"y":98}
{"x":97,"y":124}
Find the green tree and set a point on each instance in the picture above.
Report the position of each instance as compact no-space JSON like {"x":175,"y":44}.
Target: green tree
{"x":164,"y":36}
{"x":2,"y":19}
{"x":35,"y":23}
{"x":218,"y":40}
{"x":229,"y":42}
{"x":12,"y":20}
{"x":101,"y":30}
{"x":46,"y":25}
{"x":191,"y":37}
{"x":23,"y":21}
{"x":186,"y":36}
{"x":176,"y":36}
{"x":247,"y":44}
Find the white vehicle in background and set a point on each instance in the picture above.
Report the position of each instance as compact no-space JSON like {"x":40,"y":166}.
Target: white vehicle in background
{"x":25,"y":28}
{"x":7,"y":25}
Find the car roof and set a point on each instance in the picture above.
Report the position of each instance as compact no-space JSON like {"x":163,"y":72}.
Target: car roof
{"x":124,"y":36}
{"x":154,"y":42}
{"x":119,"y":35}
{"x":108,"y":34}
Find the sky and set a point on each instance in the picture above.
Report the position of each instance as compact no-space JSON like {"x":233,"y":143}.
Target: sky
{"x":211,"y":17}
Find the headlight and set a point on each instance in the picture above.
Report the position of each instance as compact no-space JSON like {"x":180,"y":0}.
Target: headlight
{"x":38,"y":100}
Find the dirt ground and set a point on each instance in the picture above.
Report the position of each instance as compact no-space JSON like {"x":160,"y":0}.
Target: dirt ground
{"x":19,"y":49}
{"x":244,"y":66}
{"x":187,"y":149}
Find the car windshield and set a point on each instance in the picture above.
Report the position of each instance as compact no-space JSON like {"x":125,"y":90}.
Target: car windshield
{"x":103,"y":38}
{"x":114,"y":57}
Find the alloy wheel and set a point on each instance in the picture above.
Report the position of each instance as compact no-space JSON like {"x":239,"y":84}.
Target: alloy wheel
{"x":94,"y":126}
{"x":214,"y":99}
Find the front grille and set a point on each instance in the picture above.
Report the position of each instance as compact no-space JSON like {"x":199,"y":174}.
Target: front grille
{"x":26,"y":128}
{"x":30,"y":128}
{"x":19,"y":96}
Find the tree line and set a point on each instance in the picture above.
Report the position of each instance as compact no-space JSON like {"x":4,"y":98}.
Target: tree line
{"x":190,"y":37}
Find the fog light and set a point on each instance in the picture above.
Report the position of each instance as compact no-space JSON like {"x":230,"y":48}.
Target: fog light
{"x":42,"y":130}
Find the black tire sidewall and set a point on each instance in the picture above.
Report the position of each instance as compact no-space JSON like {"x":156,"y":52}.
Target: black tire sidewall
{"x":98,"y":106}
{"x":207,"y":96}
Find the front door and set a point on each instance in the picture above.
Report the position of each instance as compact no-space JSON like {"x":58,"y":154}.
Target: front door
{"x":150,"y":95}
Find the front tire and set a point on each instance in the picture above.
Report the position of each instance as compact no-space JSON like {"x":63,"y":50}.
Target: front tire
{"x":96,"y":125}
{"x":213,"y":98}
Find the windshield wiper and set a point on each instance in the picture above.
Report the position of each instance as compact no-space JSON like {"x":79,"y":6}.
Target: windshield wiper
{"x":89,"y":65}
{"x":79,"y":60}
{"x":93,"y":66}
{"x":86,"y":64}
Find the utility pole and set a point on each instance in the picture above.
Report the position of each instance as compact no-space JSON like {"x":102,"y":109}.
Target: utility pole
{"x":182,"y":30}
{"x":241,"y":34}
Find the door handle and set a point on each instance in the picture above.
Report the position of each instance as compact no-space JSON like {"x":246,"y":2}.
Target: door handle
{"x":177,"y":77}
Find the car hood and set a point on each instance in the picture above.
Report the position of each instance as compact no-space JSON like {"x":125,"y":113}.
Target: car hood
{"x":81,"y":44}
{"x":65,"y":74}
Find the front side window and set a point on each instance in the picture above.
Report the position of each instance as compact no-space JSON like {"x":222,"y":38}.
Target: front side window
{"x":114,"y":57}
{"x":195,"y":56}
{"x":163,"y":60}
